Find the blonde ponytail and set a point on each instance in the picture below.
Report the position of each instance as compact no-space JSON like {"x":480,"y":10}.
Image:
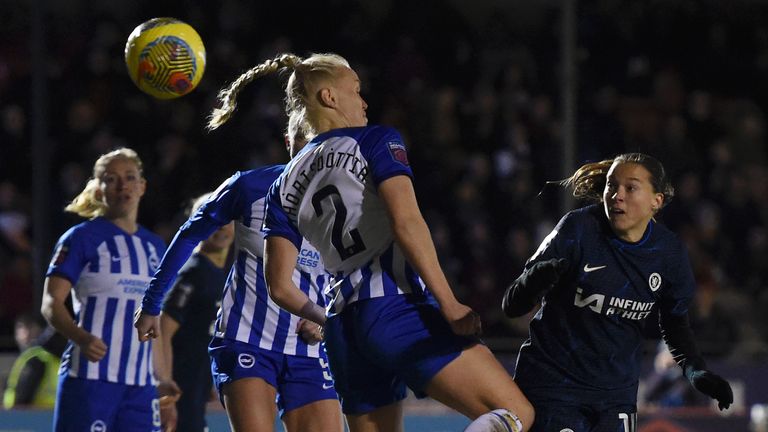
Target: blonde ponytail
{"x":86,"y":204}
{"x":305,"y":74}
{"x":228,"y":95}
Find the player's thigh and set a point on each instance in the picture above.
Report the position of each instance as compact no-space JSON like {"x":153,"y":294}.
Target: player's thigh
{"x":387,"y":418}
{"x":319,"y":416}
{"x":363,"y":385}
{"x":475,"y":383}
{"x":250,"y":404}
{"x":140,"y":410}
{"x":306,"y":396}
{"x":84,"y":405}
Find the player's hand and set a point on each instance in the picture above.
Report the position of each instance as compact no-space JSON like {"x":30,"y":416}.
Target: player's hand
{"x":169,"y":393}
{"x":463,"y":320}
{"x":94,"y":349}
{"x":169,"y":417}
{"x":545,"y":274}
{"x":712,"y":385}
{"x":147,"y":326}
{"x":310,"y":331}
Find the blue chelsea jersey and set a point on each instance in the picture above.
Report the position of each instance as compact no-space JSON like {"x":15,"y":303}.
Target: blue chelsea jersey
{"x":328,"y":195}
{"x":247,"y":314}
{"x":109,"y":270}
{"x":587,"y":336}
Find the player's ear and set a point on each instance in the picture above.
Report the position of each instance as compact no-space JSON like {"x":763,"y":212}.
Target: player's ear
{"x":327,"y":97}
{"x":658,"y":201}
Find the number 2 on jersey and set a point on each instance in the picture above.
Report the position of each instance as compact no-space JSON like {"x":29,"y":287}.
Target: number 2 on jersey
{"x":357,"y":245}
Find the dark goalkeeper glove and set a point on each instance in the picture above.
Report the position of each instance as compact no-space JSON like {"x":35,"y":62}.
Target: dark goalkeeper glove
{"x":543,"y":276}
{"x":712,"y":385}
{"x":527,"y":289}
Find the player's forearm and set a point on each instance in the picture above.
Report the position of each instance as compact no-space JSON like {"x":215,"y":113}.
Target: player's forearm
{"x":57,"y":314}
{"x":162,"y":371}
{"x":168,"y":328}
{"x":677,"y":333}
{"x":518,"y":300}
{"x":289,"y":297}
{"x":414,"y":239}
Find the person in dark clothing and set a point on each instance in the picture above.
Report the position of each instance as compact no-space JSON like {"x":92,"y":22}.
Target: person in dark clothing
{"x":600,"y":272}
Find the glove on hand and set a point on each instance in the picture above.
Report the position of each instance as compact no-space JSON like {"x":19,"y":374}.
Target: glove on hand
{"x":712,"y":385}
{"x":543,"y":275}
{"x":527,"y":289}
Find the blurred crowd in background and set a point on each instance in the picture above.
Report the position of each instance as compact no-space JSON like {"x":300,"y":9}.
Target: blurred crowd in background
{"x":475,"y":89}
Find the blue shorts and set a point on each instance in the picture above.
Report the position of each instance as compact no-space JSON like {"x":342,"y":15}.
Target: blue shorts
{"x":298,"y":380}
{"x":378,"y":346}
{"x":99,"y":406}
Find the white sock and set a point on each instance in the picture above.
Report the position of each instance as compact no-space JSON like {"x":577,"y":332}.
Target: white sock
{"x":498,"y":420}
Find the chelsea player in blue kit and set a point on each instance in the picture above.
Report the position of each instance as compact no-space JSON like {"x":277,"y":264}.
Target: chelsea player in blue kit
{"x":106,"y":378}
{"x":259,"y":353}
{"x":393,"y":321}
{"x":603,"y":271}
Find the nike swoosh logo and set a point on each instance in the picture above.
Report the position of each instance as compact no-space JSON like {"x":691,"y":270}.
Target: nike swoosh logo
{"x":588,"y":269}
{"x":327,"y":386}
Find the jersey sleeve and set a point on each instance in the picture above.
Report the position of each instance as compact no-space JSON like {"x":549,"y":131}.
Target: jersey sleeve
{"x":216,"y":212}
{"x":673,"y":312}
{"x":179,"y":298}
{"x":385,"y":152}
{"x":276,"y":221}
{"x":70,"y":256}
{"x":560,"y":243}
{"x":677,"y":296}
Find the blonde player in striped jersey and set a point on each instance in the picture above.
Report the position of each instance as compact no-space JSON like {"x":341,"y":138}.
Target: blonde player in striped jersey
{"x":107,"y":378}
{"x":394,"y":321}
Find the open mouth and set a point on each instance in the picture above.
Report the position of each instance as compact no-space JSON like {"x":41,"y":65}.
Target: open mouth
{"x":616,"y":211}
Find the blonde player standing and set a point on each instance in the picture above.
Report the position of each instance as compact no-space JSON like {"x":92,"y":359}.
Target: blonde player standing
{"x":106,"y":379}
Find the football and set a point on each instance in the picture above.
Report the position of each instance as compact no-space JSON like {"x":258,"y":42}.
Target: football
{"x":165,"y":57}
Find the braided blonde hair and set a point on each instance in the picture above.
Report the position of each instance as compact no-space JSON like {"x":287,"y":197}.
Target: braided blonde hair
{"x":86,"y":204}
{"x":305,"y":73}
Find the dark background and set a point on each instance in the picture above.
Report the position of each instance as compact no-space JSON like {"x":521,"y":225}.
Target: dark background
{"x":474,"y":87}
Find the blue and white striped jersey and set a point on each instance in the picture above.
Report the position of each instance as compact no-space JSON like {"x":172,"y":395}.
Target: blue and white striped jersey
{"x":247,"y":313}
{"x":328,"y":195}
{"x":109,"y":270}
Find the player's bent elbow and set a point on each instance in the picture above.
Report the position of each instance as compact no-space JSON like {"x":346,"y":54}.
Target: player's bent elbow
{"x":279,"y":293}
{"x":527,"y":414}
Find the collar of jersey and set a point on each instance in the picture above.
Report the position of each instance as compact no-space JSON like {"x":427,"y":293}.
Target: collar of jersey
{"x":624,"y":243}
{"x":333,"y":133}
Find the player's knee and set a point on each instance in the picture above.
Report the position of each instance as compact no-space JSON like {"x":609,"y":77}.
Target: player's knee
{"x":526,"y":413}
{"x":501,"y":420}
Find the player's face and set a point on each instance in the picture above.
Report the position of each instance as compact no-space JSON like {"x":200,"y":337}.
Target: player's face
{"x":221,"y":238}
{"x":122,"y":186}
{"x":351,"y":105}
{"x":629,"y":199}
